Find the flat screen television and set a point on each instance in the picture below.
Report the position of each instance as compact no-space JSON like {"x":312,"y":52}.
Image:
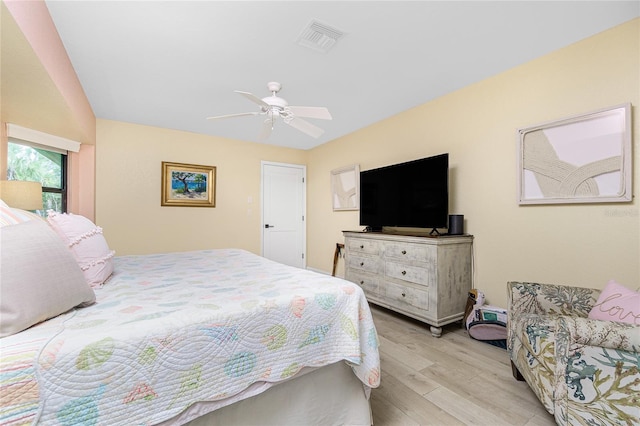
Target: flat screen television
{"x":414,"y":194}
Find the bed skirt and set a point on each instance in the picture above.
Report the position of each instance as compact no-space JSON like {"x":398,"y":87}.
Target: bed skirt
{"x":330,"y":395}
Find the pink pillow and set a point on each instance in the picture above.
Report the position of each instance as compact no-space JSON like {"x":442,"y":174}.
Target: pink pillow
{"x":88,"y":245}
{"x":617,"y":303}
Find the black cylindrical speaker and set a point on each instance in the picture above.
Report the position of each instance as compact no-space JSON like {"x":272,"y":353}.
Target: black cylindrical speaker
{"x":456,"y":224}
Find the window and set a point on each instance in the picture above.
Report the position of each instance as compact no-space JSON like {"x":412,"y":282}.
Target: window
{"x":26,"y":161}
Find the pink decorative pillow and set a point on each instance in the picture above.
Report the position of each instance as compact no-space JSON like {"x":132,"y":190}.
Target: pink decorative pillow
{"x":617,"y":303}
{"x":88,"y":245}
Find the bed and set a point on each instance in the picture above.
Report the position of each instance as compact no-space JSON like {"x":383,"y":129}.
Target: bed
{"x":206,"y":337}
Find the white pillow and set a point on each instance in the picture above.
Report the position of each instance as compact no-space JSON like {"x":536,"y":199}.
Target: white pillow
{"x":88,"y":245}
{"x":11,"y":216}
{"x":39,"y":278}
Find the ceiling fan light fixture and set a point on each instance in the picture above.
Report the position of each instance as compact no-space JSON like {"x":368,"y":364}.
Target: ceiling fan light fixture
{"x":275,"y":102}
{"x":274,"y":106}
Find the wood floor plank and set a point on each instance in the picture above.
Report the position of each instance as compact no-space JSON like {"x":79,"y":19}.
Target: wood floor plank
{"x":419,"y":383}
{"x":510,"y":395}
{"x":411,"y":358}
{"x":450,"y":380}
{"x":464,"y":409}
{"x":541,"y":420}
{"x":500,"y":396}
{"x":385,"y":413}
{"x":413,"y":405}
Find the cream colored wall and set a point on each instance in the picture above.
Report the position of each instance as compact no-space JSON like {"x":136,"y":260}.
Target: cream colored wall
{"x":128,"y":184}
{"x":572,"y":244}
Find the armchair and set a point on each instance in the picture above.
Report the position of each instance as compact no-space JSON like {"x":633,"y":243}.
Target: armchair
{"x":584,"y":371}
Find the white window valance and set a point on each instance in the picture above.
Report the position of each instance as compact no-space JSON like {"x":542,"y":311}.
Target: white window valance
{"x":34,"y":136}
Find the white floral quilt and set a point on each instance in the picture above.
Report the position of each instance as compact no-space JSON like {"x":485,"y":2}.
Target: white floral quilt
{"x":172,"y":329}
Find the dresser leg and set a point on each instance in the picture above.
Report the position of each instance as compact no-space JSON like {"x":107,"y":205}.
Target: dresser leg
{"x":436,"y":331}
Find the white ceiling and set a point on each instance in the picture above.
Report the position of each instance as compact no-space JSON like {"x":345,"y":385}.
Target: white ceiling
{"x":172,"y":63}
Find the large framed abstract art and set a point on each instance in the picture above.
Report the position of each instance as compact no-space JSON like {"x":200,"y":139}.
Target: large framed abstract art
{"x":580,"y":159}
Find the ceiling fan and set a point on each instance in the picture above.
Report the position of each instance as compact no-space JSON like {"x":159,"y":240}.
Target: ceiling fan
{"x":274,"y":106}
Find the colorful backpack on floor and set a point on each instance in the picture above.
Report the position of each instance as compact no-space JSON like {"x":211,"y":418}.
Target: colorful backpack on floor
{"x":485,"y":322}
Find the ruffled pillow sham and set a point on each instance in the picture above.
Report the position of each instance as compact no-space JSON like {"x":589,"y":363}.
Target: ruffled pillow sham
{"x":88,"y":245}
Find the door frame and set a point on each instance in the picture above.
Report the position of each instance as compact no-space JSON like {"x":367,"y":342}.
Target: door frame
{"x":302,"y":167}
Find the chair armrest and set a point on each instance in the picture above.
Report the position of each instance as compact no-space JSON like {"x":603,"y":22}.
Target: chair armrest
{"x":603,"y":334}
{"x":549,"y":299}
{"x":597,"y":372}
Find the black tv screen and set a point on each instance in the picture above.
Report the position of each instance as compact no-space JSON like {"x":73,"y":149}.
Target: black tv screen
{"x":414,"y":194}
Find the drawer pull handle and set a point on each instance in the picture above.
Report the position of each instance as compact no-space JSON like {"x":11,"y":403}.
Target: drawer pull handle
{"x":404,"y":252}
{"x":361,"y":263}
{"x":362,"y":282}
{"x":404,"y":272}
{"x":404,"y":294}
{"x":361,"y":246}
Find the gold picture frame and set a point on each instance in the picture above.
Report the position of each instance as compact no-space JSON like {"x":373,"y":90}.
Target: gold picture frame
{"x":188,"y":185}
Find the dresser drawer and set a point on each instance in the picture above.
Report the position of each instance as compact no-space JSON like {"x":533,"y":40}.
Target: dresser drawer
{"x":408,"y":251}
{"x":368,"y":282}
{"x":426,"y":278}
{"x":363,"y":263}
{"x":402,"y":271}
{"x":406,"y":297}
{"x":364,"y":246}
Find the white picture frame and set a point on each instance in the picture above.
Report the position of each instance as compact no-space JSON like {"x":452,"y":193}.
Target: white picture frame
{"x":345,"y":188}
{"x":580,"y":159}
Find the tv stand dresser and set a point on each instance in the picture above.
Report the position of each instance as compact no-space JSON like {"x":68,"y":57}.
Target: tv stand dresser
{"x":426,"y":278}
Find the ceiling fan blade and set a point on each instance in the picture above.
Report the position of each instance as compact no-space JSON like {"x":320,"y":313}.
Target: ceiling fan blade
{"x":253,"y":98}
{"x":310,"y":112}
{"x":267,"y":126}
{"x":242,"y":114}
{"x":305,"y":127}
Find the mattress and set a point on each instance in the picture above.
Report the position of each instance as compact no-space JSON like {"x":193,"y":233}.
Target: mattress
{"x":169,"y":330}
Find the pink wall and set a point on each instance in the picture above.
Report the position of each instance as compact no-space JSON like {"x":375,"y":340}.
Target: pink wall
{"x":35,"y":22}
{"x":82,"y":170}
{"x":33,"y":19}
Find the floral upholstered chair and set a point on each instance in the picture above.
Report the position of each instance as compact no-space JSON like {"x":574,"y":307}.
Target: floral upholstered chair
{"x":585,"y":371}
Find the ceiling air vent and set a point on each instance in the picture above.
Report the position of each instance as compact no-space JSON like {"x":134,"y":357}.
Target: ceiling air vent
{"x":319,"y":36}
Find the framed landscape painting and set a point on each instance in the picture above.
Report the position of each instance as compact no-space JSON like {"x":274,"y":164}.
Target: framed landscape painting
{"x":188,"y":185}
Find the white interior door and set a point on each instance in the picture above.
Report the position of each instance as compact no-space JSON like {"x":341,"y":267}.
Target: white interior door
{"x":283,"y":213}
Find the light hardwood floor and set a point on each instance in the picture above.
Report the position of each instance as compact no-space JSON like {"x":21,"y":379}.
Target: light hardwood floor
{"x":451,"y":380}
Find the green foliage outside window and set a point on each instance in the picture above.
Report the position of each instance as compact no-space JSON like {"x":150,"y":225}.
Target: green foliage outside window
{"x":39,"y":165}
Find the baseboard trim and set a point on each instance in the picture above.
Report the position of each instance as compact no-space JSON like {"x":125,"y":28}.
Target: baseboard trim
{"x":318,"y":271}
